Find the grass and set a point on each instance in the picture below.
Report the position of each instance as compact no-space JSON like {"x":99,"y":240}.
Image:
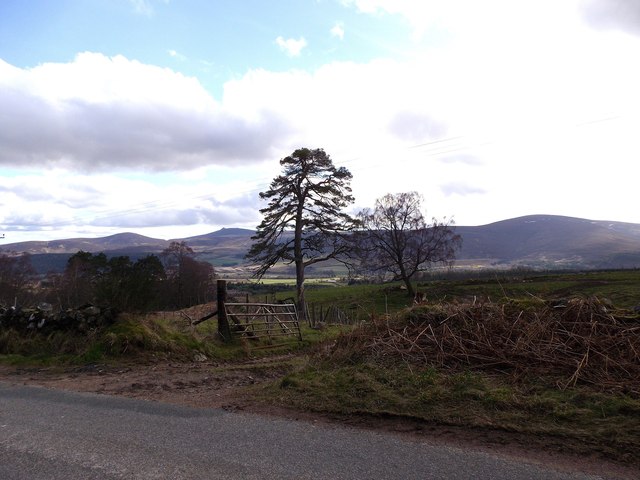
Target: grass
{"x":620,"y":286}
{"x":367,"y":300}
{"x":145,"y":338}
{"x":578,"y":420}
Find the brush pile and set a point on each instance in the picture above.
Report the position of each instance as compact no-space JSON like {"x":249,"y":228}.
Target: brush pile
{"x":578,"y":341}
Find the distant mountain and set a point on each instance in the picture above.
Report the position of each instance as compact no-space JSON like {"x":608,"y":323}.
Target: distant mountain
{"x":553,"y":241}
{"x":119,"y":241}
{"x":542,"y":241}
{"x":129,"y":242}
{"x":225,"y":247}
{"x":226,"y":236}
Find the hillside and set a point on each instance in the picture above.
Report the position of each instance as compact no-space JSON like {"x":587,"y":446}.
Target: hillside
{"x":120,"y":241}
{"x":542,"y":241}
{"x":552,"y":241}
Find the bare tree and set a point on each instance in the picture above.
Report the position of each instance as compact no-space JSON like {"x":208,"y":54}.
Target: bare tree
{"x":396,"y":239}
{"x":304,"y":223}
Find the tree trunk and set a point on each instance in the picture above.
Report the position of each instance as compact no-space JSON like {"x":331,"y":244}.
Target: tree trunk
{"x":301,"y":306}
{"x":299,"y":260}
{"x":405,"y":278}
{"x":410,"y":291}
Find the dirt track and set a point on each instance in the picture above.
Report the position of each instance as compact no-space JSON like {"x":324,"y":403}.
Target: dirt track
{"x":228,"y":385}
{"x":198,"y":384}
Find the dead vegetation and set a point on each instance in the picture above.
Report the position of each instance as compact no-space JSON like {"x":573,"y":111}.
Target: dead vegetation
{"x":573,"y":342}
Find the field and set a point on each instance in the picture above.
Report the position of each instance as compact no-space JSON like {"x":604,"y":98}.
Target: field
{"x":546,"y":362}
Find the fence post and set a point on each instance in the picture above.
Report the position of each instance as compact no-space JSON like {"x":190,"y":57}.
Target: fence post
{"x":223,"y":322}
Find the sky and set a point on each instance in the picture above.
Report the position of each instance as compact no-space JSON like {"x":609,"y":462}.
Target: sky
{"x":168,"y":117}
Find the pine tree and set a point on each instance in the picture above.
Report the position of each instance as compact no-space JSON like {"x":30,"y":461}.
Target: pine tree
{"x":304,"y":222}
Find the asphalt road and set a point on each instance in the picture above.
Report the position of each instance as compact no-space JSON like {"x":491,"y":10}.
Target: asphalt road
{"x":50,"y":434}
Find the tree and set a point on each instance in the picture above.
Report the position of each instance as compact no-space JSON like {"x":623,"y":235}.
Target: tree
{"x":396,"y":239}
{"x":147,"y":276}
{"x":190,"y":281}
{"x":303,"y":222}
{"x":81,"y":277}
{"x":15,"y":275}
{"x":113,"y":286}
{"x":116,"y":281}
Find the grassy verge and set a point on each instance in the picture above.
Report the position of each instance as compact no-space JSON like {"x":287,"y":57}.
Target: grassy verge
{"x":145,"y":338}
{"x":576,"y":420}
{"x":562,"y":376}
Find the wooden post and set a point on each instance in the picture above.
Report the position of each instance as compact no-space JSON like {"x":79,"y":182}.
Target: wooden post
{"x":312,"y":318}
{"x":223,"y":322}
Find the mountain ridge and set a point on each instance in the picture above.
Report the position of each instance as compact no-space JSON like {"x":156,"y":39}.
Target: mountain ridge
{"x":544,"y":241}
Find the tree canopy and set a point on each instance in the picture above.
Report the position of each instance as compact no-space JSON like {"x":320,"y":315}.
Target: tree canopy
{"x":189,"y":281}
{"x":116,"y":281}
{"x":396,"y":239}
{"x":304,"y":222}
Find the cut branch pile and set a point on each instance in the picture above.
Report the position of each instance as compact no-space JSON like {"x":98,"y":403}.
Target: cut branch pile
{"x":580,"y":341}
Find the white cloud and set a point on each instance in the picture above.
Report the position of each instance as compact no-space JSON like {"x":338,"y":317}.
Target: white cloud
{"x":499,"y":120}
{"x":145,"y":7}
{"x":338,"y":31}
{"x":98,"y":113}
{"x":142,"y":7}
{"x":519,"y":103}
{"x":461,"y":188}
{"x":175,"y":54}
{"x":291,"y":46}
{"x":621,"y":15}
{"x":97,"y":203}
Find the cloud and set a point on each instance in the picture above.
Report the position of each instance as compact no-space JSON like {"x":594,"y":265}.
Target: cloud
{"x":420,"y":15}
{"x":291,"y":46}
{"x":186,"y":216}
{"x":73,"y":194}
{"x":142,"y":7}
{"x":100,"y":113}
{"x":465,"y":159}
{"x":65,"y":199}
{"x":496,"y":93}
{"x":621,"y":15}
{"x":185,"y":210}
{"x":416,"y":126}
{"x":174,"y":54}
{"x":460,"y":188}
{"x":145,"y":7}
{"x":338,"y":31}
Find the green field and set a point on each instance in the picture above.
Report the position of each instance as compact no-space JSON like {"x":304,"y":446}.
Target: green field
{"x":621,"y":287}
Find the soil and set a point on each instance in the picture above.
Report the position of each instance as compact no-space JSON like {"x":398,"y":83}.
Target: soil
{"x":207,"y":384}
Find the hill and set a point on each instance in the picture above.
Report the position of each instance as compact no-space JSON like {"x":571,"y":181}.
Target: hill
{"x":119,"y":241}
{"x":551,"y":241}
{"x":539,"y":241}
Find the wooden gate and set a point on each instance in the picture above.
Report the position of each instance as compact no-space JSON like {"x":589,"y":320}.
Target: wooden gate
{"x":263,"y":320}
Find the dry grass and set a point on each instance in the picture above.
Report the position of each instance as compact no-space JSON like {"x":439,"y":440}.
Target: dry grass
{"x":577,"y":342}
